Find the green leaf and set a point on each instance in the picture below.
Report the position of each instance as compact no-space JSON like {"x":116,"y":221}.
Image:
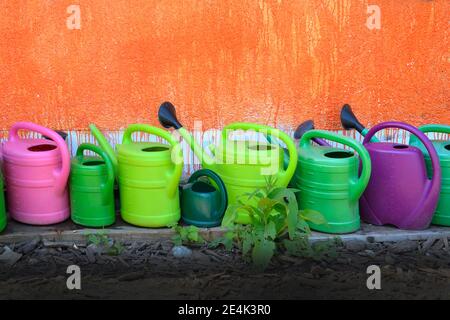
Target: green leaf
{"x":270,"y":231}
{"x":313,"y":216}
{"x":263,"y":252}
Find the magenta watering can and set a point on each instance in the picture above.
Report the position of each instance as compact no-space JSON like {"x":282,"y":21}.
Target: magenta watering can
{"x":399,"y":192}
{"x":36,"y":173}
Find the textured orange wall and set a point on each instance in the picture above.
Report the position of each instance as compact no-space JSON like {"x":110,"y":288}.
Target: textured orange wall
{"x":270,"y":61}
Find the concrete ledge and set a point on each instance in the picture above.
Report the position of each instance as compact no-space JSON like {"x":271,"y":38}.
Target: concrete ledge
{"x":67,"y":232}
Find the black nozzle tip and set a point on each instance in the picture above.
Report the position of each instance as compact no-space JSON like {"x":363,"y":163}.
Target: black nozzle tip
{"x":62,"y":134}
{"x":303,"y":128}
{"x":167,"y":116}
{"x":349,"y":120}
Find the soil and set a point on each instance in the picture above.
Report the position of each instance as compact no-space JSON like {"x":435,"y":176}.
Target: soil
{"x":409,"y":270}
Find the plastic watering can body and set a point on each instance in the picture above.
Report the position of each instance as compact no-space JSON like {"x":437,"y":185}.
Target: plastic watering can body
{"x":36,"y":173}
{"x":442,"y":214}
{"x":3,"y":217}
{"x":244,"y":166}
{"x":148,"y":177}
{"x":203,"y":204}
{"x":329,"y":182}
{"x":91,"y":188}
{"x":399,"y":192}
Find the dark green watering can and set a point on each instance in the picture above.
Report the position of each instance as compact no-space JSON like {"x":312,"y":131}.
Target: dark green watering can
{"x":92,"y":188}
{"x":442,"y":146}
{"x":3,"y":218}
{"x":329,"y":182}
{"x":202,"y":204}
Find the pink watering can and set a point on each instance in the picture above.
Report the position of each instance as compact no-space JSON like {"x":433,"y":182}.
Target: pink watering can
{"x":399,"y":192}
{"x":36,"y":173}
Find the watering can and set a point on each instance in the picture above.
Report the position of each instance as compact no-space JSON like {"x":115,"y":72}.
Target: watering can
{"x":36,"y":173}
{"x":148,"y":177}
{"x":399,"y":192}
{"x":202,"y":204}
{"x":442,"y":214}
{"x":244,"y":166}
{"x":329,"y":181}
{"x":92,"y":188}
{"x":3,"y":217}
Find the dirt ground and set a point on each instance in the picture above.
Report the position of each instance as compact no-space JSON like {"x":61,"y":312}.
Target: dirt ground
{"x":409,"y":270}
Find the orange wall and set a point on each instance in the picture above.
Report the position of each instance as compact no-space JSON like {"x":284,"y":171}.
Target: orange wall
{"x":270,"y":61}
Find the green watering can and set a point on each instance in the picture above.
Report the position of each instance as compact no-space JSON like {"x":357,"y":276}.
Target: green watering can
{"x":202,"y":204}
{"x":442,"y":214}
{"x":3,"y":218}
{"x":244,"y":166}
{"x":148,"y":175}
{"x":92,"y":188}
{"x":328,"y":180}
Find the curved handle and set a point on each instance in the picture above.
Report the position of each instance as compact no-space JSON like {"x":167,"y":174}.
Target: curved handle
{"x":109,"y":184}
{"x":366,"y":164}
{"x":284,"y":176}
{"x":440,"y":128}
{"x":62,"y":174}
{"x":177,"y":156}
{"x":436,"y":178}
{"x":218,"y":181}
{"x":104,"y":144}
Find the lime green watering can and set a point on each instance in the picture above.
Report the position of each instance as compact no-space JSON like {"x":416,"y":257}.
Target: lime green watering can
{"x":329,"y":181}
{"x":148,"y":175}
{"x":244,"y":166}
{"x":442,"y":214}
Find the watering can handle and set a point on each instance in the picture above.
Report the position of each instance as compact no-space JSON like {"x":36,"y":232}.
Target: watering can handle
{"x":436,"y":178}
{"x":62,"y":174}
{"x":285,"y":176}
{"x":218,"y":181}
{"x":109,"y":185}
{"x":440,"y":128}
{"x":177,"y":156}
{"x":366,"y":167}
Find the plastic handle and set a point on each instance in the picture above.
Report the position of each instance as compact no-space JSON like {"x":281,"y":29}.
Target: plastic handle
{"x":440,"y":128}
{"x":366,"y":167}
{"x":220,"y":185}
{"x":284,"y":176}
{"x":109,"y":185}
{"x":175,"y":176}
{"x":62,"y":174}
{"x":436,"y":178}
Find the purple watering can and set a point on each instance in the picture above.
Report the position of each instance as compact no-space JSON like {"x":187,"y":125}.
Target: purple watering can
{"x":399,"y":192}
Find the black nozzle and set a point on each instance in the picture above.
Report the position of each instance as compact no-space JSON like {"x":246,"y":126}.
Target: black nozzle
{"x":62,"y":134}
{"x":167,"y":116}
{"x":349,"y":120}
{"x":304,"y":127}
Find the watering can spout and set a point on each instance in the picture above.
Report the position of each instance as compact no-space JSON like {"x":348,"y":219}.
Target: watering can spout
{"x":349,"y":120}
{"x":168,"y":118}
{"x":105,"y":146}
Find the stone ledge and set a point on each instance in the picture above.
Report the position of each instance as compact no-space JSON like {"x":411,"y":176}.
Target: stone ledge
{"x":67,"y":232}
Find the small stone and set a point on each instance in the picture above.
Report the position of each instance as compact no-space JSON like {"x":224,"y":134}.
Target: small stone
{"x":403,"y":246}
{"x":181,"y":252}
{"x":355,"y":245}
{"x":91,"y":251}
{"x":9,"y":257}
{"x":29,"y":246}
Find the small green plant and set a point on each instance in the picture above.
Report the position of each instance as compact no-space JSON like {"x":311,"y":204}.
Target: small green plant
{"x":274,"y":215}
{"x":109,"y":246}
{"x":186,"y":235}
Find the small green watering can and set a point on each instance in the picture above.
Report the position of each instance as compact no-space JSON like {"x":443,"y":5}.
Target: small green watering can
{"x":202,"y":204}
{"x":442,"y":214}
{"x":3,"y":217}
{"x":92,"y":188}
{"x":148,"y":175}
{"x":244,"y":166}
{"x":329,"y":182}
